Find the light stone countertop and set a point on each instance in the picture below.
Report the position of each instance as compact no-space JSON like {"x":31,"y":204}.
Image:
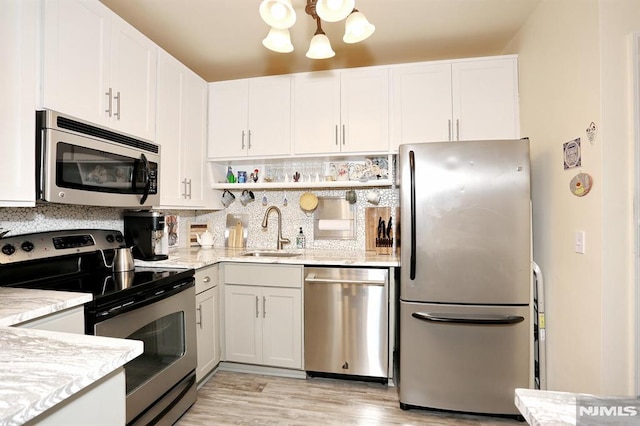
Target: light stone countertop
{"x":39,"y":369}
{"x":541,"y":408}
{"x":19,"y":305}
{"x":197,"y":257}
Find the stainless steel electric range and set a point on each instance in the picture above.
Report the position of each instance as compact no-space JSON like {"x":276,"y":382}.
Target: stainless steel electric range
{"x":154,"y":305}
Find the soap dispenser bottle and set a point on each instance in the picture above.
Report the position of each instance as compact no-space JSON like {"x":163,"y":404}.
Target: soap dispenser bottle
{"x":300,"y":240}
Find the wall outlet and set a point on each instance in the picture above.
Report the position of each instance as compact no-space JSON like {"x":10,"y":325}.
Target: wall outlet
{"x":579,"y":242}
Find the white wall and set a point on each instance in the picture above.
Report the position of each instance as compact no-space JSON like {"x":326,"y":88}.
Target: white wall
{"x":618,"y":20}
{"x":573,"y":72}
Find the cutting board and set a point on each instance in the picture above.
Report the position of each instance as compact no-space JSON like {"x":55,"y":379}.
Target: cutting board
{"x":381,"y":245}
{"x":236,"y":232}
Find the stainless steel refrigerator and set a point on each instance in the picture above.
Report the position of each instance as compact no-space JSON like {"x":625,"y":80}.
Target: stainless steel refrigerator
{"x":466,"y":277}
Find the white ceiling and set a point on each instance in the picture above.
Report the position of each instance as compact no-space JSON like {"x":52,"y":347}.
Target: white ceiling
{"x":221,"y":39}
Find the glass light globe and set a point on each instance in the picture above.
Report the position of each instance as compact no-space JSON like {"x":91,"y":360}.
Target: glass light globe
{"x":334,"y":10}
{"x":278,"y":40}
{"x":320,"y":48}
{"x":357,"y":28}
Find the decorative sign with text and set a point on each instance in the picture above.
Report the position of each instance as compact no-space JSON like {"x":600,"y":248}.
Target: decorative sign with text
{"x":572,"y":154}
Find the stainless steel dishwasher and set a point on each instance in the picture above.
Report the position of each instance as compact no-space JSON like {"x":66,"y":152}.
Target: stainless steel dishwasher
{"x":346,"y":322}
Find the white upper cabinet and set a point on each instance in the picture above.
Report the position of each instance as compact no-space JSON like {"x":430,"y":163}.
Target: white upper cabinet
{"x":181,"y":132}
{"x":422,"y":104}
{"x":364,"y":110}
{"x":341,"y":111}
{"x":460,"y":100}
{"x":97,"y":67}
{"x":485,"y":99}
{"x":316,"y":112}
{"x":17,"y":109}
{"x":250,"y":118}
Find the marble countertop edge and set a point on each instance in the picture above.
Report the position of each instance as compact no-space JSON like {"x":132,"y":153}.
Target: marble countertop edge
{"x":90,"y":359}
{"x":544,"y":408}
{"x":197,"y":257}
{"x":21,"y":305}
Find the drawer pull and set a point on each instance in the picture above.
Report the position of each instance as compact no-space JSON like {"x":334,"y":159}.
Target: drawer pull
{"x":463,"y":319}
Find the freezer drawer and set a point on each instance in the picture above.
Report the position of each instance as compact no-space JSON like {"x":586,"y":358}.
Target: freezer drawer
{"x":463,"y":358}
{"x":346,"y":321}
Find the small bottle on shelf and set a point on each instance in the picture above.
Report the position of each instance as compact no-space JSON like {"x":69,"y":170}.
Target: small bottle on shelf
{"x":300,"y":240}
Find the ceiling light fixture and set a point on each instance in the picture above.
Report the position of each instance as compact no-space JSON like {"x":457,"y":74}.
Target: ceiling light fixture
{"x":279,"y":14}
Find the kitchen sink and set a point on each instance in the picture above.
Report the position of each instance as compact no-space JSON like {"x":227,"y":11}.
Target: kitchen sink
{"x":270,"y":254}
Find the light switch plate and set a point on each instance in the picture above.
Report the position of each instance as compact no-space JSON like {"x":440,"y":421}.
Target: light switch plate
{"x":579,"y":243}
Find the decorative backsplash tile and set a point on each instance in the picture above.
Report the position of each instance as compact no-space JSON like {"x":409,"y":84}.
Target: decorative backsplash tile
{"x":293,"y":217}
{"x":52,"y":217}
{"x":47,"y":217}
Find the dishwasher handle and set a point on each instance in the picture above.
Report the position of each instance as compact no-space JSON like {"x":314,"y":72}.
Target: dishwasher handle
{"x":341,"y":281}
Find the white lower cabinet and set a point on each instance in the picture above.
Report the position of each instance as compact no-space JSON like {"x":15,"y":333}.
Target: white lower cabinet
{"x":104,"y":400}
{"x":263,"y":314}
{"x":68,"y":321}
{"x":207,"y":320}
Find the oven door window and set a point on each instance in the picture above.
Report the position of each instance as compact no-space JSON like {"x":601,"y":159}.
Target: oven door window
{"x":164,"y":343}
{"x":79,"y":167}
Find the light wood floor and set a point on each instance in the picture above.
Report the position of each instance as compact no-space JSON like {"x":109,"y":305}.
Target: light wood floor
{"x":230,"y":398}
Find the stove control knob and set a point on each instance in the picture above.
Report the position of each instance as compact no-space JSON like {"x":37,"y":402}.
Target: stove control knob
{"x":110,"y":238}
{"x":8,"y":249}
{"x":27,"y":246}
{"x":119,"y":238}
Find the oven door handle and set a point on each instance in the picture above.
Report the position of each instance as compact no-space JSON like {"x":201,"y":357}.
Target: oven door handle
{"x":139,"y":301}
{"x":145,"y":172}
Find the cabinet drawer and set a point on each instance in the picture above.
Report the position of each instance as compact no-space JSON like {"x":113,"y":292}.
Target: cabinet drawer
{"x":206,"y":278}
{"x":263,"y":275}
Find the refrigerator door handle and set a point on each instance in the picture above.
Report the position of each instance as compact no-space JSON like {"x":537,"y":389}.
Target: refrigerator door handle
{"x":472,"y":319}
{"x":412,"y":173}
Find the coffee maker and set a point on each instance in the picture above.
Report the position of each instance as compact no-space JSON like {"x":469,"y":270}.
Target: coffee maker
{"x":144,"y":230}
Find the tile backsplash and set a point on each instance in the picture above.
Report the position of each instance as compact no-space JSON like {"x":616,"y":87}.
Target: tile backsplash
{"x":51,"y":217}
{"x":47,"y":217}
{"x":293,"y":217}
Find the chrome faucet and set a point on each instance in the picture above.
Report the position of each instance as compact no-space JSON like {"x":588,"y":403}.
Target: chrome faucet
{"x":265,"y":222}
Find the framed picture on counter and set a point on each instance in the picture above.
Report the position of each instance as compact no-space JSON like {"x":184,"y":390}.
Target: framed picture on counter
{"x":171,"y":226}
{"x":196,"y":229}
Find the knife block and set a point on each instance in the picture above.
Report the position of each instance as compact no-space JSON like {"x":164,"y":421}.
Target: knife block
{"x":381,"y":244}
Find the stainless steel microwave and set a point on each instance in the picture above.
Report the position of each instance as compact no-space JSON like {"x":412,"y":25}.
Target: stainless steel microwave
{"x":81,"y":163}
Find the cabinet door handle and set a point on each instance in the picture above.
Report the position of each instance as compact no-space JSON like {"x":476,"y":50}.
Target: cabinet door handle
{"x":457,"y":129}
{"x":243,"y":139}
{"x":117,"y":99}
{"x":344,"y":138}
{"x":109,"y":94}
{"x":257,"y":301}
{"x":199,"y":309}
{"x":450,"y":129}
{"x":184,"y":188}
{"x":336,"y":134}
{"x":249,"y":140}
{"x":264,"y":307}
{"x":189,"y":192}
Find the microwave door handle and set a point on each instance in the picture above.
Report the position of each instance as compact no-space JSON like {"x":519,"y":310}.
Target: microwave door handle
{"x":147,"y":182}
